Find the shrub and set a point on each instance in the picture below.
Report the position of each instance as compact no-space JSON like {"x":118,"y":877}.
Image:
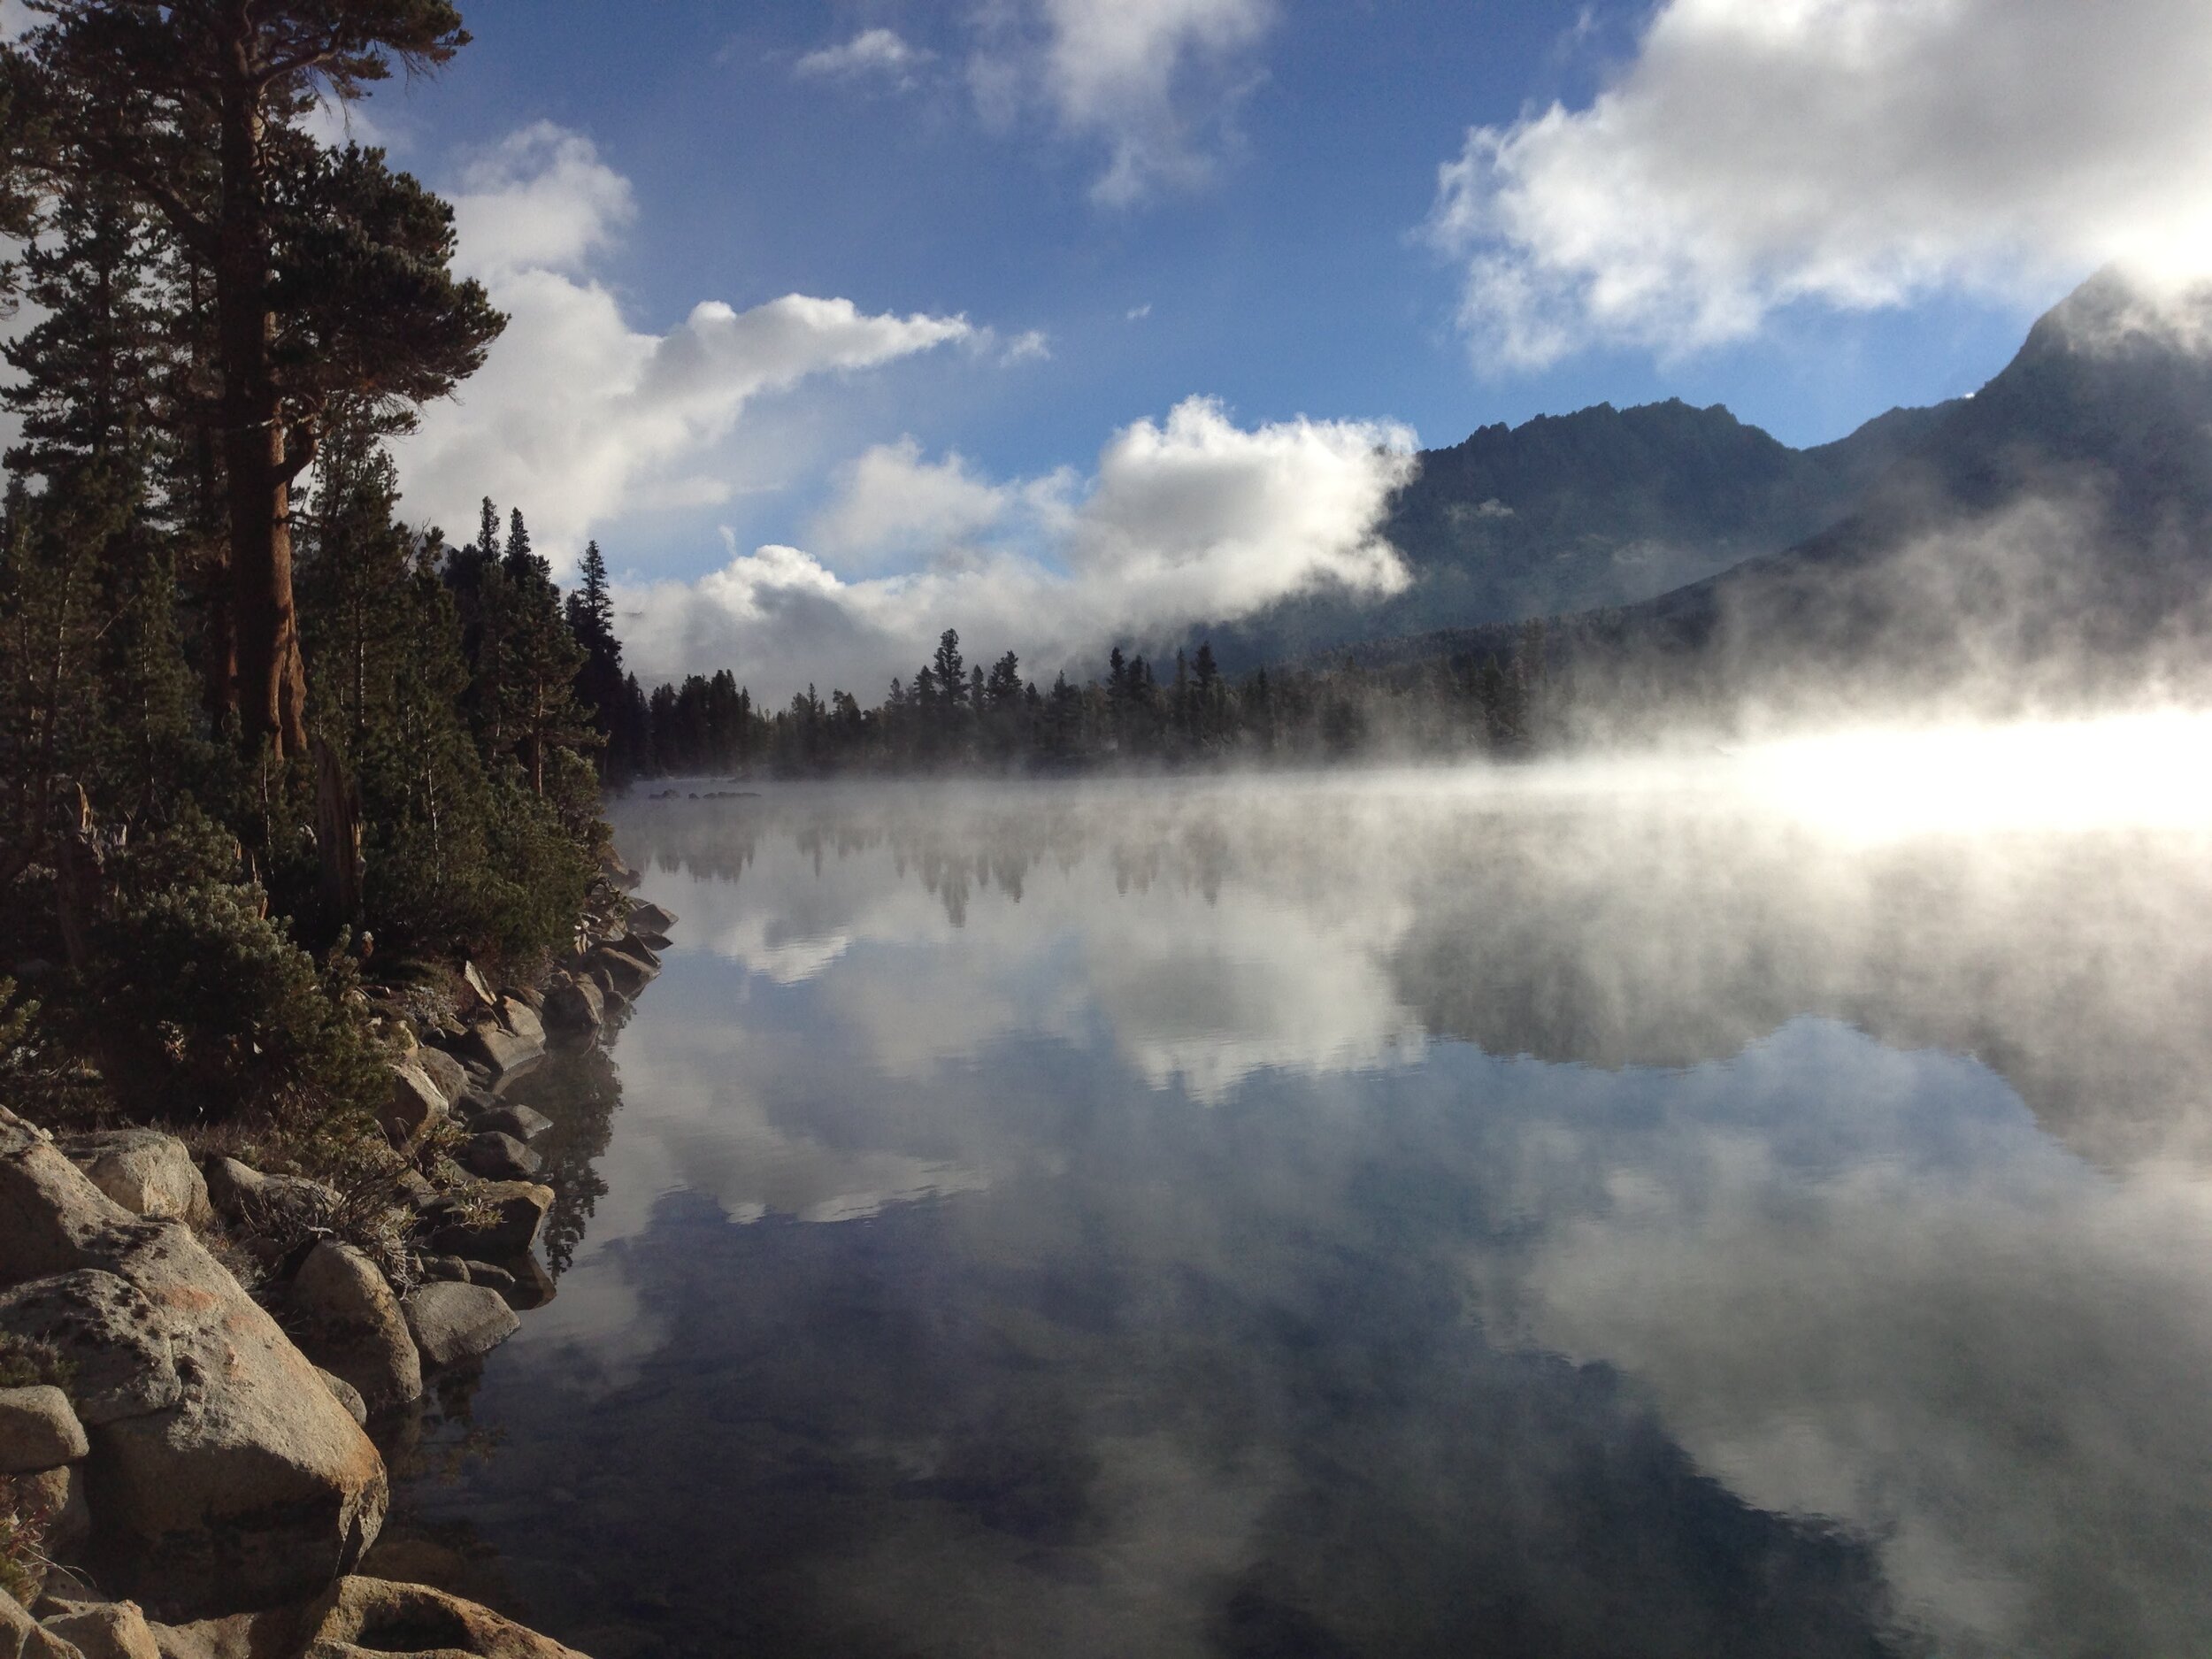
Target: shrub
{"x":202,"y":1007}
{"x":23,"y":1560}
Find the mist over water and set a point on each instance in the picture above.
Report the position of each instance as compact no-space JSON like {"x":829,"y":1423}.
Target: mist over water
{"x":1750,"y":1199}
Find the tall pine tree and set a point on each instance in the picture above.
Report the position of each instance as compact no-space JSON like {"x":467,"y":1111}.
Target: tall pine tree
{"x":328,"y":274}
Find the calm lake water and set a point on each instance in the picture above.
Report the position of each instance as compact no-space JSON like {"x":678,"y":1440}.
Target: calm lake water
{"x":1395,"y":1216}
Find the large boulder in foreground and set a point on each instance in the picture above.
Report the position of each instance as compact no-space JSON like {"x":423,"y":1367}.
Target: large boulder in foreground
{"x":369,"y":1616}
{"x":362,"y":1619}
{"x":149,"y":1173}
{"x":255,"y":1486}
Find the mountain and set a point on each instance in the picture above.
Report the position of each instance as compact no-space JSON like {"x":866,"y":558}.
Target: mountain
{"x":1601,"y":508}
{"x":2048,"y":534}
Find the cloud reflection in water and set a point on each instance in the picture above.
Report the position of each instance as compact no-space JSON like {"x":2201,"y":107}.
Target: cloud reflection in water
{"x":1367,"y":1217}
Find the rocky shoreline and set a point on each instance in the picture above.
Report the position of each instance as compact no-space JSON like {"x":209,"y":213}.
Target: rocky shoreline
{"x":185,"y":1466}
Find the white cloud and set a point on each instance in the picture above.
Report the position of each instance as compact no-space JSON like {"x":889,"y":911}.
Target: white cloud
{"x":1031,"y":346}
{"x":541,"y":200}
{"x":1120,"y":71}
{"x":13,"y":19}
{"x":1194,"y":519}
{"x":577,"y":416}
{"x":896,"y":507}
{"x":1855,"y":153}
{"x":870,"y":52}
{"x":1138,"y":313}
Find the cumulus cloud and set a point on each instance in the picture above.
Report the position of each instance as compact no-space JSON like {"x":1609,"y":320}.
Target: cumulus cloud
{"x":1152,"y":78}
{"x":540,"y":200}
{"x":872,"y":52}
{"x":1852,"y":153}
{"x":896,"y":507}
{"x":1195,"y":519}
{"x":13,"y":19}
{"x":577,"y":416}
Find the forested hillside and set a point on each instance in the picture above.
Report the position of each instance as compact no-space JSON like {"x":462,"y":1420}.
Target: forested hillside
{"x":261,"y":744}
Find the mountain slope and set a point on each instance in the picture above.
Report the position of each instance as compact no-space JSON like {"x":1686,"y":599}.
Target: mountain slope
{"x":2051,"y":534}
{"x":1603,"y":506}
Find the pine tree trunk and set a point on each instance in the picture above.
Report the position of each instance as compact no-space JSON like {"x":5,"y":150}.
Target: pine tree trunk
{"x":338,"y":835}
{"x":271,"y":679}
{"x":272,"y":682}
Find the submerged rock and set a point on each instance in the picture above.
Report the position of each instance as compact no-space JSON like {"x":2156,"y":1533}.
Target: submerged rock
{"x":575,"y":1008}
{"x":499,"y":1051}
{"x":497,"y":1156}
{"x":515,"y":1119}
{"x":369,"y":1616}
{"x":452,"y":1323}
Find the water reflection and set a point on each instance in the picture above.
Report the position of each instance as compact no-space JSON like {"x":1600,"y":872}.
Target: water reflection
{"x":1373,"y":1218}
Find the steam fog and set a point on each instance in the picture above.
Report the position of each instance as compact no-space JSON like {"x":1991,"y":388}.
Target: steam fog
{"x":1144,"y":1198}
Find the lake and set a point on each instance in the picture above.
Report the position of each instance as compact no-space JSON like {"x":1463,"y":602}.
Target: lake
{"x":1550,"y":1213}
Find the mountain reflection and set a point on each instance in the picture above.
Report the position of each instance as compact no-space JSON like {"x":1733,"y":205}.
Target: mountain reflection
{"x":1334,"y":923}
{"x":1370,"y":1217}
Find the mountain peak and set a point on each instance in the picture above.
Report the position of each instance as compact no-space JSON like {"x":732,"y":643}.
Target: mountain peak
{"x":2118,"y":315}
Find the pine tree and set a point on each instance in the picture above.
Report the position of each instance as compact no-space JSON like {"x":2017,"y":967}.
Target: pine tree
{"x":951,"y":673}
{"x":96,"y":690}
{"x":539,"y":662}
{"x":329,"y":275}
{"x":600,"y":683}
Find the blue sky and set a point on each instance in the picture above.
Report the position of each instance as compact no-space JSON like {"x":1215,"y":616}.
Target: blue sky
{"x":1293,"y":277}
{"x":839,"y":322}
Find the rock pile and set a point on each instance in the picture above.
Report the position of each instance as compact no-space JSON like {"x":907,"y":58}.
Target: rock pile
{"x":219,"y":1471}
{"x":174,"y":1446}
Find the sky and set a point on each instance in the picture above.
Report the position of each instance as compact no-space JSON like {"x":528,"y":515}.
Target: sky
{"x":837,"y":322}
